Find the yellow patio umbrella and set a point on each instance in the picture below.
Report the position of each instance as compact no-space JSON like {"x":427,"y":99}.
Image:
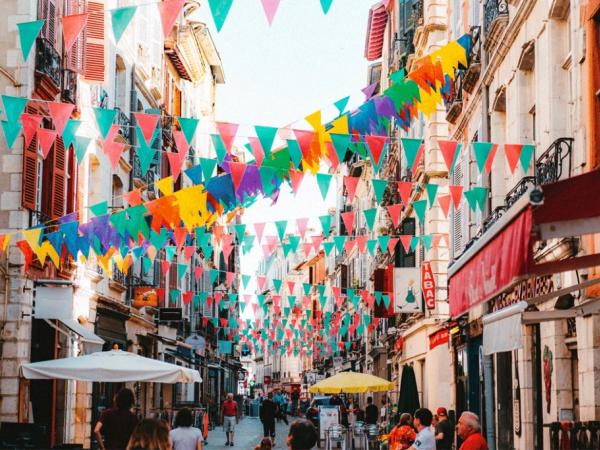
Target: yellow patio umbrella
{"x":351,"y":383}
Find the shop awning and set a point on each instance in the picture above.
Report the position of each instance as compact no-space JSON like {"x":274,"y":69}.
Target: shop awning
{"x":378,"y":18}
{"x":504,"y":255}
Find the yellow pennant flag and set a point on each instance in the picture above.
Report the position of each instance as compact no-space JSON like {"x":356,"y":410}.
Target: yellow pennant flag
{"x":165,"y":185}
{"x":32,"y":236}
{"x":314,"y":120}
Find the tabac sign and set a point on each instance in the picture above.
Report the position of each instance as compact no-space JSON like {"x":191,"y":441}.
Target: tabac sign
{"x":428,"y":285}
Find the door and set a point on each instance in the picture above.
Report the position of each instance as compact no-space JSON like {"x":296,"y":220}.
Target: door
{"x":504,"y":400}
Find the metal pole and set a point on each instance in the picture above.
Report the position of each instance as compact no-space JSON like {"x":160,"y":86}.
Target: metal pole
{"x":490,"y":421}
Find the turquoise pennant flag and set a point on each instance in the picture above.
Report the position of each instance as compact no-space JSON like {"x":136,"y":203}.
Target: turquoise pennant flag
{"x":188,"y":127}
{"x":339,"y":243}
{"x":219,"y":10}
{"x":526,"y":157}
{"x":307,"y":288}
{"x":170,"y":252}
{"x":99,"y":209}
{"x":28,"y":32}
{"x":146,"y":264}
{"x":219,"y":146}
{"x":267,"y":174}
{"x":214,"y":273}
{"x":379,"y":187}
{"x":325,"y":5}
{"x":420,"y":207}
{"x":341,"y":104}
{"x":294,"y":242}
{"x":245,"y":280}
{"x":14,"y":107}
{"x":431,"y":192}
{"x":340,"y":142}
{"x":181,"y":269}
{"x":11,"y":132}
{"x":481,"y":150}
{"x":383,"y":242}
{"x":81,"y":145}
{"x":476,"y":197}
{"x":327,"y":246}
{"x":208,"y":167}
{"x":325,"y":224}
{"x":277,"y":284}
{"x":426,"y":241}
{"x":287,"y":248}
{"x":240,"y":230}
{"x":71,"y":128}
{"x":324,"y":181}
{"x":266,"y":136}
{"x":370,"y":215}
{"x":281,"y":226}
{"x":104,"y":118}
{"x":372,"y":246}
{"x":145,"y":152}
{"x":411,"y":149}
{"x":295,"y":152}
{"x":121,"y":17}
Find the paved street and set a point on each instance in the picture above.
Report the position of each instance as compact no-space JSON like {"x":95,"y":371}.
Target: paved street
{"x":248,"y":434}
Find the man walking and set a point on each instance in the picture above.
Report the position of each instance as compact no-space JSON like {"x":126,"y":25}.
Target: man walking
{"x":267,"y":413}
{"x":444,"y":430}
{"x":422,"y":422}
{"x":229,"y":417}
{"x":469,"y":430}
{"x":371,"y":412}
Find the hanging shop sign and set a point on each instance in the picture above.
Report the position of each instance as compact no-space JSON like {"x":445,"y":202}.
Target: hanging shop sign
{"x":438,"y":338}
{"x":428,"y":285}
{"x":407,"y":289}
{"x":145,"y":296}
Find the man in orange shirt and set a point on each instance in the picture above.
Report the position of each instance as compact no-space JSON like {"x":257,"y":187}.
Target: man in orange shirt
{"x":469,"y":430}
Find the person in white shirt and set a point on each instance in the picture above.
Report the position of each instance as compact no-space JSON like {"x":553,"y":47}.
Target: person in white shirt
{"x":184,"y":436}
{"x":425,"y":439}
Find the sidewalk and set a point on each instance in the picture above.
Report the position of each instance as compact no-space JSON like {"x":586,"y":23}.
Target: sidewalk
{"x":248,"y":434}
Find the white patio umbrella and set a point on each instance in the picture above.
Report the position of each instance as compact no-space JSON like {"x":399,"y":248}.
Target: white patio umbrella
{"x":110,"y":366}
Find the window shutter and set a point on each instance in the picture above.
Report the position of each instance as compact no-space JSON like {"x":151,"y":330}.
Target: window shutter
{"x":75,"y":55}
{"x":30,"y":175}
{"x":59,"y":178}
{"x":457,"y":214}
{"x":48,"y":12}
{"x":95,"y":43}
{"x":71,"y":201}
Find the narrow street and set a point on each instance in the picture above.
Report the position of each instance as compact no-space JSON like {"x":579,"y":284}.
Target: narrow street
{"x":248,"y":434}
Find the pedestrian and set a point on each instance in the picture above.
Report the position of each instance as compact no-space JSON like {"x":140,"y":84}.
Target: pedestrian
{"x":302,"y":435}
{"x":335,"y":400}
{"x":184,"y":436}
{"x":115,"y":425}
{"x":371,"y":412}
{"x":444,"y":430}
{"x":282,"y":408}
{"x":469,"y":430}
{"x":268,"y":411}
{"x":265,"y":444}
{"x":229,"y":417}
{"x":150,"y":434}
{"x":383,"y":411}
{"x":403,"y":435}
{"x":425,"y":440}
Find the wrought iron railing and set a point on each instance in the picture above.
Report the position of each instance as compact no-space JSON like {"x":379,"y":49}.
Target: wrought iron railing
{"x":148,"y":178}
{"x":577,"y":435}
{"x":418,"y":13}
{"x":48,"y":61}
{"x":454,"y":99}
{"x":473,"y":71}
{"x":167,"y":130}
{"x":125,"y":123}
{"x":119,"y":276}
{"x":69,"y":86}
{"x":493,"y":10}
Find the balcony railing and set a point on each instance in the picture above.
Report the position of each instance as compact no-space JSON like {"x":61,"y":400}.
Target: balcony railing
{"x":579,"y":435}
{"x":495,"y":19}
{"x":148,"y":178}
{"x":454,"y":100}
{"x":474,"y":69}
{"x":418,"y":13}
{"x":125,"y":123}
{"x":47,"y":61}
{"x":69,"y":86}
{"x":167,"y":131}
{"x":119,"y":276}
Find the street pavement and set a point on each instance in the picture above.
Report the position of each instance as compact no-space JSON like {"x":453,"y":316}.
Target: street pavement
{"x":248,"y":434}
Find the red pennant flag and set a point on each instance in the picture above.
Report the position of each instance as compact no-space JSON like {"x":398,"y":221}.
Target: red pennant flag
{"x":169,"y":10}
{"x":376,"y":144}
{"x":317,"y":240}
{"x":260,"y":281}
{"x":31,"y":123}
{"x":490,"y":158}
{"x":456,"y":192}
{"x":72,"y":26}
{"x":392,"y":245}
{"x":187,"y":297}
{"x":180,"y":234}
{"x":147,"y":123}
{"x":304,"y":139}
{"x":198,"y":272}
{"x":259,"y":229}
{"x":405,"y":189}
{"x":237,"y":173}
{"x":227,"y":245}
{"x":444,"y":202}
{"x":348,"y":218}
{"x":176,"y":164}
{"x":113,"y":150}
{"x":418,"y":158}
{"x":60,"y":113}
{"x":513,"y":153}
{"x":133,"y":198}
{"x":46,"y":139}
{"x":296,"y":177}
{"x":351,"y":183}
{"x":339,"y":301}
{"x":394,"y":212}
{"x":291,"y":286}
{"x":229,"y":277}
{"x":257,"y":150}
{"x":435,"y":241}
{"x":227,"y":132}
{"x":332,"y":155}
{"x":164,"y":265}
{"x":349,"y":245}
{"x":406,"y":239}
{"x":448,"y":149}
{"x":361,"y":241}
{"x":181,"y":142}
{"x":188,"y":252}
{"x":302,"y":224}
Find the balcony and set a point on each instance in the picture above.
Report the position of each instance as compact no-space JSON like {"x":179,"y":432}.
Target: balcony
{"x":47,"y":67}
{"x":125,"y":124}
{"x":418,"y":17}
{"x":495,"y":20}
{"x":119,"y":280}
{"x":69,"y":86}
{"x":147,"y":179}
{"x":474,"y":70}
{"x":454,"y":100}
{"x":167,"y":131}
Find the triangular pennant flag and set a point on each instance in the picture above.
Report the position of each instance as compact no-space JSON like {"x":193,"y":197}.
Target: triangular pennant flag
{"x":28,"y":32}
{"x":219,"y":147}
{"x":69,"y":131}
{"x":327,"y":246}
{"x":13,"y":107}
{"x":341,"y":104}
{"x":370,"y":215}
{"x":392,"y":245}
{"x":99,"y":209}
{"x":104,"y":118}
{"x":169,"y":10}
{"x":165,"y":185}
{"x":444,"y":202}
{"x":339,"y":242}
{"x":259,"y":229}
{"x":420,"y":207}
{"x":175,"y":163}
{"x":81,"y":145}
{"x":450,"y":150}
{"x":379,"y":187}
{"x":121,"y":17}
{"x":188,"y":125}
{"x":371,"y":246}
{"x":351,"y":183}
{"x":513,"y":154}
{"x":340,"y":142}
{"x":31,"y":123}
{"x":527,"y":153}
{"x":456,"y":192}
{"x":325,"y":5}
{"x":240,"y":231}
{"x":376,"y":146}
{"x":270,"y":7}
{"x":405,"y":189}
{"x":406,"y":239}
{"x":281,"y":226}
{"x":245,"y":280}
{"x":490,"y":159}
{"x":348,"y":218}
{"x":266,"y":136}
{"x":431,"y":192}
{"x":481,"y":151}
{"x":237,"y":173}
{"x":383,"y":242}
{"x":194,"y":173}
{"x":476,"y":197}
{"x":369,"y":90}
{"x":325,"y":224}
{"x":147,"y":123}
{"x":227,"y":131}
{"x":302,"y":224}
{"x":324,"y":181}
{"x":219,"y":10}
{"x":208,"y":167}
{"x":411,"y":148}
{"x":46,"y":140}
{"x":293,"y":149}
{"x":72,"y":26}
{"x":60,"y":113}
{"x":394,"y":212}
{"x":305,"y":139}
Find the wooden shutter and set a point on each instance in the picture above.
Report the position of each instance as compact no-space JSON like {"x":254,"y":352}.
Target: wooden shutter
{"x":75,"y":55}
{"x":95,"y":43}
{"x":47,"y":11}
{"x":30,"y":175}
{"x":59,"y":180}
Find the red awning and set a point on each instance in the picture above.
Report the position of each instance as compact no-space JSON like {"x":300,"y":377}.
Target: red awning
{"x":378,"y":18}
{"x":504,"y":255}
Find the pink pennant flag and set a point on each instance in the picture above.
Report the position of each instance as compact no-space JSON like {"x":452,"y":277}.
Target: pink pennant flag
{"x":392,"y":245}
{"x":198,"y":272}
{"x":349,"y":245}
{"x":227,"y":245}
{"x":60,"y":113}
{"x":111,"y":148}
{"x":307,"y":247}
{"x":418,"y":158}
{"x":179,"y":234}
{"x":217,"y":232}
{"x":448,"y":149}
{"x":305,"y":139}
{"x":164,"y":266}
{"x":490,"y":159}
{"x":291,"y":286}
{"x":46,"y":139}
{"x":406,"y":239}
{"x":229,"y":277}
{"x":351,"y":183}
{"x":181,"y":142}
{"x":456,"y":192}
{"x":394,"y":212}
{"x":435,"y":240}
{"x":317,"y":240}
{"x":361,"y":242}
{"x":72,"y":26}
{"x":444,"y":202}
{"x":169,"y":10}
{"x":405,"y":189}
{"x":513,"y":153}
{"x":376,"y":144}
{"x":188,"y":252}
{"x":147,"y":123}
{"x":302,"y":224}
{"x":296,"y":177}
{"x":227,"y":132}
{"x":259,"y":229}
{"x":348,"y":218}
{"x":270,"y":7}
{"x":237,"y":173}
{"x":31,"y":123}
{"x":260,"y":281}
{"x":257,"y":150}
{"x":176,"y":164}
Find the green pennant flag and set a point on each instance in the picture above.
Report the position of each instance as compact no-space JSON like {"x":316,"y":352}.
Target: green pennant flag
{"x":420,"y":206}
{"x":219,"y":10}
{"x":294,"y":242}
{"x":104,"y":118}
{"x":340,"y":142}
{"x":219,"y":146}
{"x":240,"y":230}
{"x":325,"y":5}
{"x":11,"y":132}
{"x":432,"y":190}
{"x":383,"y":241}
{"x":481,"y":150}
{"x":208,"y":167}
{"x":476,"y":197}
{"x":324,"y":181}
{"x":527,"y":153}
{"x":119,"y":222}
{"x":81,"y":145}
{"x":69,"y":132}
{"x":366,"y":318}
{"x":28,"y":32}
{"x":411,"y":149}
{"x":372,"y":246}
{"x":145,"y":152}
{"x":174,"y":295}
{"x":242,"y":307}
{"x":245,"y":280}
{"x":341,"y":104}
{"x":181,"y":269}
{"x":99,"y":209}
{"x":277,"y":284}
{"x":266,"y":136}
{"x":398,"y":76}
{"x":281,"y":226}
{"x":370,"y":215}
{"x":214,"y":273}
{"x":307,"y":288}
{"x":361,"y":149}
{"x":321,"y":289}
{"x":137,"y":221}
{"x":379,"y":187}
{"x":170,"y":252}
{"x":325,"y":224}
{"x":327,"y":246}
{"x":267,"y":174}
{"x":322,"y":301}
{"x":295,"y":152}
{"x":159,"y":239}
{"x":426,"y":241}
{"x":188,"y":127}
{"x":291,"y":300}
{"x":146,"y":264}
{"x":378,"y":297}
{"x":14,"y":107}
{"x":386,"y":300}
{"x":121,"y":17}
{"x":339,"y":243}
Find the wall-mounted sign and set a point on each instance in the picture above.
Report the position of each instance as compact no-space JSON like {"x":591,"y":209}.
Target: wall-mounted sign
{"x":145,"y":296}
{"x":523,"y":291}
{"x":428,"y":285}
{"x":440,"y":337}
{"x":407,"y":289}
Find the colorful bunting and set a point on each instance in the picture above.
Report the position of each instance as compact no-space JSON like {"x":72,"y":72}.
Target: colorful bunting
{"x":121,"y":17}
{"x":28,"y":32}
{"x":72,"y":26}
